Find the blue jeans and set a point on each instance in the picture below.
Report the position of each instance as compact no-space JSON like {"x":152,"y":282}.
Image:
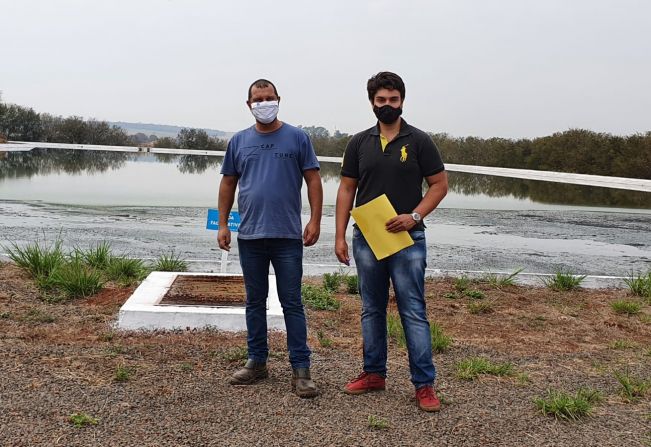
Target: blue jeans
{"x":286,"y":256}
{"x":406,"y":270}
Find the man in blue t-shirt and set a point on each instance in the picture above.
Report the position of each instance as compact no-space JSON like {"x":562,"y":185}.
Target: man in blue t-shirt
{"x":269,"y":162}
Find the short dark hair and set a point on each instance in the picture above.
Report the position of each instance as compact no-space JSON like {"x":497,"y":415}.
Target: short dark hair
{"x":262,"y":83}
{"x":385,"y":79}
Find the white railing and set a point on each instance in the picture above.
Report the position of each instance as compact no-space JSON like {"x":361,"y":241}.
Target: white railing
{"x":631,"y":184}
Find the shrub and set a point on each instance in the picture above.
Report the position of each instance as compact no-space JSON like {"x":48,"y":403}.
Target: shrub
{"x":97,"y":256}
{"x":474,"y":294}
{"x":126,"y":270}
{"x":639,"y":285}
{"x":332,"y":281}
{"x":76,"y":280}
{"x":461,"y":283}
{"x":319,"y":298}
{"x":40,"y":261}
{"x":352,"y":284}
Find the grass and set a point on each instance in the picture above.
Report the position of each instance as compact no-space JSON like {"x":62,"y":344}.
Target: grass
{"x":395,"y":330}
{"x":622,"y":344}
{"x":75,"y":280}
{"x":186,"y":366}
{"x":440,"y":341}
{"x":97,"y":256}
{"x":324,"y":341}
{"x":474,"y":294}
{"x":39,"y":260}
{"x":480,"y":307}
{"x":352,"y":284}
{"x":566,"y":406}
{"x":471,"y":368}
{"x":122,"y":373}
{"x":626,"y":307}
{"x":377,"y":423}
{"x":639,"y":285}
{"x":126,"y":270}
{"x":81,"y":420}
{"x":632,"y":388}
{"x":38,"y":316}
{"x":235,"y":354}
{"x":170,"y":263}
{"x":319,"y":298}
{"x":498,"y":281}
{"x":461,"y":283}
{"x":563,"y":281}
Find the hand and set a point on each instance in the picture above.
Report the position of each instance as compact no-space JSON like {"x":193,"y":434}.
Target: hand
{"x":224,"y":238}
{"x":402,"y":222}
{"x":311,"y":233}
{"x":341,"y":250}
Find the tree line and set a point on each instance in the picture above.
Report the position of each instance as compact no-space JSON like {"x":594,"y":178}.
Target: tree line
{"x":574,"y":150}
{"x":18,"y":123}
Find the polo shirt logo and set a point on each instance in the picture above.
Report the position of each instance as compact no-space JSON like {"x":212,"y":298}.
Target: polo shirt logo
{"x":403,"y":153}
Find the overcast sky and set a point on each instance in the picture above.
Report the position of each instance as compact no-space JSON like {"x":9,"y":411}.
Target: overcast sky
{"x":509,"y":68}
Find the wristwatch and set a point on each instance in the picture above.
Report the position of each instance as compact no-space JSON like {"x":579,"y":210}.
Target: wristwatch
{"x":416,"y":217}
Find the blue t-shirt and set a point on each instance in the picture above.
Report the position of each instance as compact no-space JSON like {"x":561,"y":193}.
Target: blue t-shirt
{"x":270,"y":169}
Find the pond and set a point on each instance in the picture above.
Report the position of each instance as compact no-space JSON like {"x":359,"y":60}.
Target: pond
{"x":147,"y":203}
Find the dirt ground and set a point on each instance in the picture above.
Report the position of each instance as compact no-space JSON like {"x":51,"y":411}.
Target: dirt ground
{"x":65,"y":358}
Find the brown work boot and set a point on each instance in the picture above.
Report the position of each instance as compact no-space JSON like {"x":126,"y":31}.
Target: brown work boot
{"x":250,"y":374}
{"x":302,"y":383}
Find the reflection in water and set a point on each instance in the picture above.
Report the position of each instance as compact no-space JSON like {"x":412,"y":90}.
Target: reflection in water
{"x":547,"y":192}
{"x":44,"y":162}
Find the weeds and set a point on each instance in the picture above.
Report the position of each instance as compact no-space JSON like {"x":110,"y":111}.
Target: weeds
{"x":480,"y":307}
{"x":324,"y":341}
{"x":377,"y":423}
{"x":563,"y":280}
{"x":38,"y":316}
{"x":626,"y":307}
{"x":122,"y":373}
{"x":632,"y":388}
{"x":639,"y":285}
{"x":80,"y":420}
{"x":474,"y":294}
{"x":76,"y":280}
{"x":622,"y":344}
{"x":450,"y":295}
{"x":170,"y":263}
{"x":125,"y":270}
{"x":471,"y":368}
{"x":186,"y":366}
{"x":565,"y":406}
{"x":319,"y":298}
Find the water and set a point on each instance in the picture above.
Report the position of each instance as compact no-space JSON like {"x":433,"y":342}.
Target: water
{"x":145,"y":204}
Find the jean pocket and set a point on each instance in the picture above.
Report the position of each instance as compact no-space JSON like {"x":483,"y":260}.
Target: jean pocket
{"x":417,"y":235}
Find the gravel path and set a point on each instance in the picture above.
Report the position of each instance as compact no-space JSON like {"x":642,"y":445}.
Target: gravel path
{"x":60,"y":359}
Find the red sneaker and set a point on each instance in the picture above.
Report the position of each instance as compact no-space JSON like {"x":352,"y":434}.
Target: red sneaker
{"x":365,"y":383}
{"x":427,"y":400}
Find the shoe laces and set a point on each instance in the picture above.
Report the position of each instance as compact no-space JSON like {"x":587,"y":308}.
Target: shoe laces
{"x":426,"y":392}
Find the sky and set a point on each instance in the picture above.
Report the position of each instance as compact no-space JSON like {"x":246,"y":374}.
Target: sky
{"x":500,"y":68}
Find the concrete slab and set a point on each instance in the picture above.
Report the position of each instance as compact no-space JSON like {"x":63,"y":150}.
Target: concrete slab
{"x":142,"y":311}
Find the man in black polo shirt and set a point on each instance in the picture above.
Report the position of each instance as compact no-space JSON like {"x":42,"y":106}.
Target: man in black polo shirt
{"x":392,"y":158}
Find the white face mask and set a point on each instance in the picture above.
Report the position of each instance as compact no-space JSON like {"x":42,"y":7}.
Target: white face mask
{"x":265,"y":111}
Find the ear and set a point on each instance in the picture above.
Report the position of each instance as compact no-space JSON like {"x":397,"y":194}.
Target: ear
{"x":248,"y":104}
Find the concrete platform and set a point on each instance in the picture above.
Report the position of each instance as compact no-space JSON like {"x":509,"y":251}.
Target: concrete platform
{"x":143,"y":311}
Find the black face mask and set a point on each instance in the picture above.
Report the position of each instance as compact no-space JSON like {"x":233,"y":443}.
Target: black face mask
{"x":387,"y":114}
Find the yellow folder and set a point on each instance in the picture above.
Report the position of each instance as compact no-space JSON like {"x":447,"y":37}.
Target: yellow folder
{"x":371,"y":219}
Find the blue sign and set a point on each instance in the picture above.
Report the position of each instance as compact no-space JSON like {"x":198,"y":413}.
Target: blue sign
{"x":213,"y":220}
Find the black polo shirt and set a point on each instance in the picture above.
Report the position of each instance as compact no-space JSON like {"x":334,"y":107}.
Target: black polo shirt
{"x":396,"y":171}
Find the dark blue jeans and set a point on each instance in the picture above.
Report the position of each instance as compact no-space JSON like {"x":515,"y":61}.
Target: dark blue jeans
{"x":286,"y":256}
{"x":406,"y":270}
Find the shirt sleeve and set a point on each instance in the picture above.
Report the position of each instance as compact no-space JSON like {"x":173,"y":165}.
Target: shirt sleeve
{"x":228,"y":165}
{"x":308,"y":158}
{"x":429,"y":158}
{"x":350,"y":163}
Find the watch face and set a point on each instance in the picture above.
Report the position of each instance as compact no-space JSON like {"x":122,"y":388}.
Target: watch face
{"x":416,"y":216}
